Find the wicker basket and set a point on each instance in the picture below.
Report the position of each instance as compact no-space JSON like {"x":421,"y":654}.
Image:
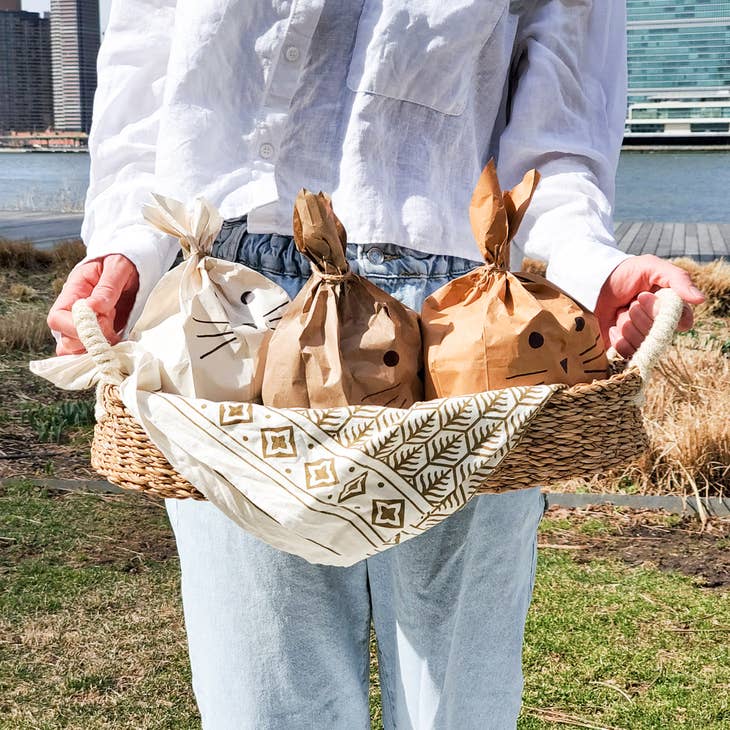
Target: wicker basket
{"x":582,"y":431}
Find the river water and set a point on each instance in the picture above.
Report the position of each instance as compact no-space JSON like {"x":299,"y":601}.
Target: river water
{"x":650,"y":186}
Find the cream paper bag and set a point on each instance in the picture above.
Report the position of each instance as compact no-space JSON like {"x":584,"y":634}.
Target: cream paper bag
{"x":208,"y":320}
{"x":205,"y":324}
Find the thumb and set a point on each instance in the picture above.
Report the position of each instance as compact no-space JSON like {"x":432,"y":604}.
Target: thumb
{"x":105,"y":295}
{"x":679,"y":280}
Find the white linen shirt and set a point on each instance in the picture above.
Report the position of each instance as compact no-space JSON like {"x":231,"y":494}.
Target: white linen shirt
{"x":391,"y":106}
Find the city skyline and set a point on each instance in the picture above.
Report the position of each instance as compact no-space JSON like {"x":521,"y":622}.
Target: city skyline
{"x":44,"y":6}
{"x":75,"y":39}
{"x":679,"y":69}
{"x":48,"y":66}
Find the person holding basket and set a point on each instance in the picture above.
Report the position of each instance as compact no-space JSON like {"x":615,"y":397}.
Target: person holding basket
{"x":394,"y":107}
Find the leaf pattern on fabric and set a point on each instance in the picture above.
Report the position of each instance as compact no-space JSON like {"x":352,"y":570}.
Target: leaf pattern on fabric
{"x":337,"y":485}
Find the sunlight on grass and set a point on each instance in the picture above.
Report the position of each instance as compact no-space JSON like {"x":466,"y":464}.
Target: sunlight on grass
{"x":92,"y":635}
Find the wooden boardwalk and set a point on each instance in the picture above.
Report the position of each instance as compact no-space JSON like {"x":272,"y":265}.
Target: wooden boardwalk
{"x":699,"y":241}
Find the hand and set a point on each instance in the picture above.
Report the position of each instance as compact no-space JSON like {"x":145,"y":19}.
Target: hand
{"x":626,"y":306}
{"x":109,"y":285}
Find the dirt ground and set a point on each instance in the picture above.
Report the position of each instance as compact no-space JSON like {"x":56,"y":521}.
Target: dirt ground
{"x":668,"y":542}
{"x":21,"y":452}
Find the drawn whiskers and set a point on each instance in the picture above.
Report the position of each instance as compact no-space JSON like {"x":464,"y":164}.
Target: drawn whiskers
{"x":524,"y":375}
{"x":587,"y":350}
{"x":268,"y":321}
{"x":591,"y":359}
{"x":219,"y":345}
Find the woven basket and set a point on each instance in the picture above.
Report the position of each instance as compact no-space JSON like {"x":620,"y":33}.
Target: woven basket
{"x":582,"y":430}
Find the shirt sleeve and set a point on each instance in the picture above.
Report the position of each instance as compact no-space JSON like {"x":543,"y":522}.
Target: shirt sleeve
{"x":131,"y":69}
{"x":566,"y":118}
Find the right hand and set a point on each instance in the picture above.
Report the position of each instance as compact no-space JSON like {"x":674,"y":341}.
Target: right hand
{"x":109,"y":285}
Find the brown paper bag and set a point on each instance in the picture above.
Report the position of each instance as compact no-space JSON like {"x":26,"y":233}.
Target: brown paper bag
{"x":342,"y":341}
{"x":493,"y":329}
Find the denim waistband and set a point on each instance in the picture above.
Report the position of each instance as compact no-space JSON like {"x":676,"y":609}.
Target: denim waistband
{"x":271,"y":253}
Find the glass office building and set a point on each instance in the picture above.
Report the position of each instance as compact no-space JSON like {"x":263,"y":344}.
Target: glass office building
{"x":26,"y":97}
{"x":679,"y":68}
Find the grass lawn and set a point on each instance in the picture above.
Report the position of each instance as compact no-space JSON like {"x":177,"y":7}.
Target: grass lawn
{"x":91,"y":630}
{"x":629,"y":626}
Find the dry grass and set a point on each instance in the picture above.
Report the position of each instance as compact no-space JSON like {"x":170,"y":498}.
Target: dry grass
{"x":102,"y":660}
{"x":714,"y":280}
{"x":687,"y":415}
{"x":25,"y":256}
{"x":66,"y":255}
{"x":57,"y":285}
{"x":25,"y":330}
{"x":22,"y":292}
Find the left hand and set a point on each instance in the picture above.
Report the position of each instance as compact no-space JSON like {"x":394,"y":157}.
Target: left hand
{"x":626,"y":306}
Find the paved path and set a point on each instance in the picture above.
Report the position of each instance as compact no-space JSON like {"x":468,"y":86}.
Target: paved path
{"x":44,"y":229}
{"x":700,"y":241}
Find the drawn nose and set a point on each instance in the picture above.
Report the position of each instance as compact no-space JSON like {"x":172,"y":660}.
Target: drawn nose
{"x":564,"y":364}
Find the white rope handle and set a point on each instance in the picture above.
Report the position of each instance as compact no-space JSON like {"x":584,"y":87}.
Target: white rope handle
{"x":92,"y":338}
{"x":660,"y":335}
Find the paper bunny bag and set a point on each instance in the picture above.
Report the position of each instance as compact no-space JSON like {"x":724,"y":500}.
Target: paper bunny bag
{"x":205,"y":324}
{"x":343,"y":341}
{"x":208,"y":320}
{"x":493,"y":329}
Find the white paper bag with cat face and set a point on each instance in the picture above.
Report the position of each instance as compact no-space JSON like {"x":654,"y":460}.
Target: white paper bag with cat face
{"x":206,"y":323}
{"x":208,"y":320}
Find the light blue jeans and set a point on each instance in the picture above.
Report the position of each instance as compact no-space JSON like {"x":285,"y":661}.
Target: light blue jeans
{"x":279,"y":644}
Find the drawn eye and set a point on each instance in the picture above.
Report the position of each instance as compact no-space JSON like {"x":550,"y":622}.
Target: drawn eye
{"x":391,"y":358}
{"x":580,"y":324}
{"x":536,"y":340}
{"x":247,"y":297}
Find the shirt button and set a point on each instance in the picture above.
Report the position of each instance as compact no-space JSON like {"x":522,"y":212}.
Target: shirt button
{"x":292,"y":54}
{"x":266,"y":150}
{"x":375,"y":256}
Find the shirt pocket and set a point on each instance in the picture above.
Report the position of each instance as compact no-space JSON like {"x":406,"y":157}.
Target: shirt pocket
{"x":422,"y":51}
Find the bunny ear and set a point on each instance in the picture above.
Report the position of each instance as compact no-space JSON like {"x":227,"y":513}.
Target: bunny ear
{"x":318,"y":233}
{"x":488,"y":217}
{"x":517,"y":200}
{"x":205,"y":225}
{"x":168,"y":214}
{"x":196,"y":231}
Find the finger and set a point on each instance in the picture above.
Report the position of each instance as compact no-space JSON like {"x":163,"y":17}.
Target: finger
{"x":651,"y":305}
{"x":665,"y":274}
{"x":687,"y":319}
{"x":79,"y":285}
{"x":632,"y":335}
{"x":639,"y":317}
{"x":622,"y":319}
{"x":624,"y":348}
{"x":67,"y":327}
{"x":112,"y":282}
{"x":69,"y":346}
